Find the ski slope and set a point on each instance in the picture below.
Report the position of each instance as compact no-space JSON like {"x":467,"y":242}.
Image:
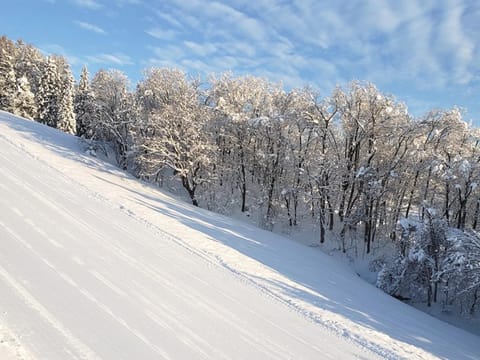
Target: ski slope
{"x":96,"y":265}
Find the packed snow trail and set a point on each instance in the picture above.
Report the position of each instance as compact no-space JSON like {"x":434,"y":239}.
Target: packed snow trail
{"x":94,"y":264}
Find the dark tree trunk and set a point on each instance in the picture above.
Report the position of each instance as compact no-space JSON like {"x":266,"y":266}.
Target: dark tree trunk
{"x":190,"y":190}
{"x":412,"y":192}
{"x":475,"y":216}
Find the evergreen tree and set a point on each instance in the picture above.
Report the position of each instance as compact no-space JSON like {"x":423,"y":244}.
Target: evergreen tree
{"x":83,"y":106}
{"x":29,"y":62}
{"x":24,"y":103}
{"x":65,"y":95}
{"x":47,"y":94}
{"x":7,"y":77}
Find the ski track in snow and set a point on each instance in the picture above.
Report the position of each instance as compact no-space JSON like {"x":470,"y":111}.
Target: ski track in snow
{"x":165,"y":296}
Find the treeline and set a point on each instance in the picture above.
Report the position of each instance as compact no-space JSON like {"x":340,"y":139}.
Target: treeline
{"x":354,"y":163}
{"x":36,"y":87}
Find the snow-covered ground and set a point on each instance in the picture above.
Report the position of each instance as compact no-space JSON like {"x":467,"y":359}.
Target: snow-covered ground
{"x":94,"y":264}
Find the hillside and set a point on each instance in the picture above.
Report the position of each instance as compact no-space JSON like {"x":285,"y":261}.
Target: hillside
{"x":95,"y":264}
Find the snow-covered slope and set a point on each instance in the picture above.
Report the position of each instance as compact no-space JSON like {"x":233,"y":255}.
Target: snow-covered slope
{"x":94,"y":264}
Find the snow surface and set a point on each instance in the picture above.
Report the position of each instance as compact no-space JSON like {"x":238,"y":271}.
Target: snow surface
{"x":96,"y":265}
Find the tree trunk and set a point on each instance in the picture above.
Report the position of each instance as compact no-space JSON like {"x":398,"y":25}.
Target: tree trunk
{"x":425,"y":194}
{"x":190,"y":190}
{"x":244,"y":182}
{"x":475,"y":299}
{"x":412,"y":192}
{"x":475,"y":216}
{"x":447,"y":203}
{"x":322,"y":232}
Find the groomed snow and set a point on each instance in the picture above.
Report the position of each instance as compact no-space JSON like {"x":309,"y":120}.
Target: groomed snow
{"x":96,"y":265}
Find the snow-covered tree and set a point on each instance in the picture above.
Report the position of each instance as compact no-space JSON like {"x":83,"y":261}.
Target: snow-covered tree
{"x":55,"y":95}
{"x":65,"y":95}
{"x":47,"y":95}
{"x":415,"y":274}
{"x":172,"y":133}
{"x":375,"y":143}
{"x":242,"y":110}
{"x":84,"y":106}
{"x":114,"y":110}
{"x":459,"y":273}
{"x":24,"y":102}
{"x":29,"y":63}
{"x":317,"y":156}
{"x":8,"y":78}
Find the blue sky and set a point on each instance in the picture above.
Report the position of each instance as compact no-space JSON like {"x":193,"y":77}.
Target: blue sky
{"x":426,"y":53}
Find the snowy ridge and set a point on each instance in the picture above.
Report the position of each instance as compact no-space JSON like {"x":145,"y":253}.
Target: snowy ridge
{"x":144,"y":228}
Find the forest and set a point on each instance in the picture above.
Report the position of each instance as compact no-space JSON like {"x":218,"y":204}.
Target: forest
{"x":369,"y":176}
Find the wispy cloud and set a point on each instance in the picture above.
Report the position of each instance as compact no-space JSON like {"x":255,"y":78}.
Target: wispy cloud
{"x":419,"y":47}
{"x":161,"y":34}
{"x":199,"y":66}
{"x":90,"y":27}
{"x":169,"y":52}
{"x":89,"y":4}
{"x":118,"y":59}
{"x":456,"y":46}
{"x":415,"y":43}
{"x":200,"y":49}
{"x":129,"y":2}
{"x":237,"y":20}
{"x":55,"y":49}
{"x":169,"y":19}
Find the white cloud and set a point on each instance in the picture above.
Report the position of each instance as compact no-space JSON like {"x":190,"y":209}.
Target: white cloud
{"x":118,"y":59}
{"x":428,"y":48}
{"x":161,"y":63}
{"x":55,"y":49}
{"x":240,"y":48}
{"x":421,"y":43}
{"x":379,"y":15}
{"x":225,"y":63}
{"x":169,"y":53}
{"x":455,"y":46}
{"x":198,"y":66}
{"x":129,"y":2}
{"x":237,"y":20}
{"x":161,"y":34}
{"x":191,"y":20}
{"x":90,"y":27}
{"x":89,"y":4}
{"x":169,"y":18}
{"x":200,"y":49}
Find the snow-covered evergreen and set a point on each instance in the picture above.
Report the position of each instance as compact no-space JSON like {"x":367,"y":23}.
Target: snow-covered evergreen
{"x":47,"y":96}
{"x":24,"y":103}
{"x":84,"y":106}
{"x":29,"y":63}
{"x":8,"y":78}
{"x":66,"y":92}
